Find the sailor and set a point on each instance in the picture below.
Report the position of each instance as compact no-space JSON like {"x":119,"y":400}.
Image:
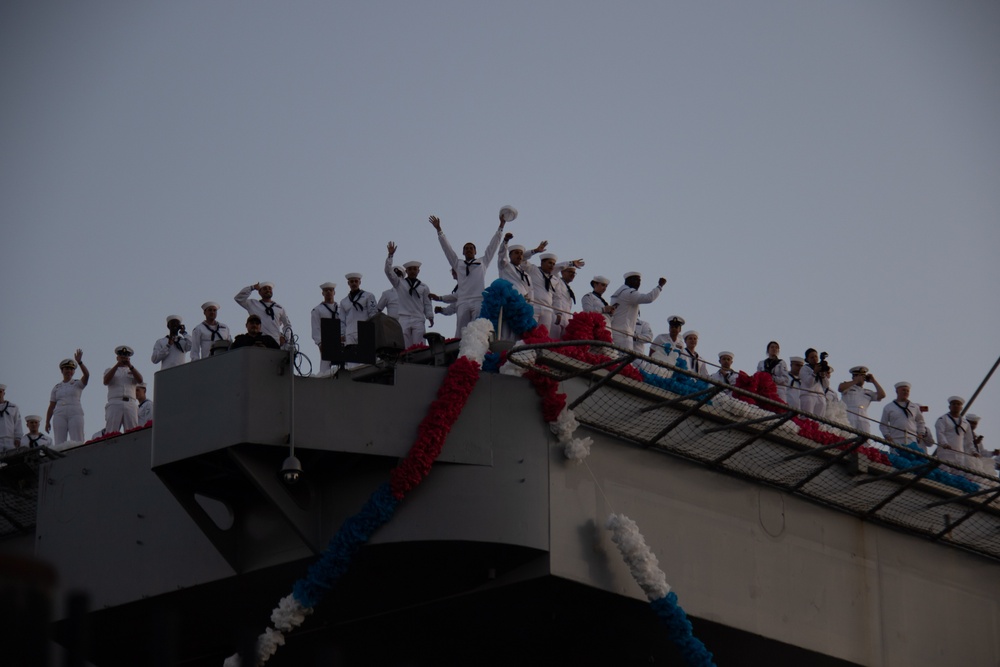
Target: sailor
{"x":643,"y":335}
{"x":690,"y":354}
{"x":471,"y":271}
{"x":954,"y":434}
{"x":208,"y":333}
{"x":563,"y":301}
{"x":10,"y":422}
{"x":857,"y":399}
{"x":627,"y":300}
{"x":172,"y":349}
{"x":414,"y":299}
{"x":725,"y":374}
{"x":358,"y":306}
{"x":122,"y":409}
{"x":34,"y":437}
{"x":65,"y":410}
{"x":273,"y":319}
{"x":903,"y":420}
{"x":254,"y":337}
{"x":793,"y":394}
{"x":388,"y":302}
{"x":778,"y":370}
{"x":982,"y":457}
{"x":815,"y":384}
{"x":510,"y":267}
{"x":145,"y":412}
{"x":594,"y":301}
{"x":327,"y":309}
{"x":672,"y":338}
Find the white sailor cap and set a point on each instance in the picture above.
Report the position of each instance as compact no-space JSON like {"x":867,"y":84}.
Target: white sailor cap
{"x":67,"y":363}
{"x":952,"y":399}
{"x":796,"y":360}
{"x":859,"y":370}
{"x":633,"y":274}
{"x":601,"y":279}
{"x":349,"y":276}
{"x":266,"y":284}
{"x":691,"y":332}
{"x":900,"y":385}
{"x":141,"y":385}
{"x":411,"y":265}
{"x":512,"y":248}
{"x":508,"y":213}
{"x":3,"y":387}
{"x":972,"y":418}
{"x":328,"y":285}
{"x":32,"y":418}
{"x":210,"y":304}
{"x":124,"y":350}
{"x":726,"y":353}
{"x":180,"y":320}
{"x":676,"y":319}
{"x":569,"y":267}
{"x":548,"y":255}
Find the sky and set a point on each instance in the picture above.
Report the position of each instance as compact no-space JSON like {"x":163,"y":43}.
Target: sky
{"x":824,"y":174}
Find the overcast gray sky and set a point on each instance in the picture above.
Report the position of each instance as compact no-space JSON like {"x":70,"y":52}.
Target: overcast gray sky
{"x":826,"y":174}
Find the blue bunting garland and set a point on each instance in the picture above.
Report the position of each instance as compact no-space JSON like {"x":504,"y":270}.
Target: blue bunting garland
{"x":517,"y":313}
{"x":903,"y":459}
{"x":680,"y":632}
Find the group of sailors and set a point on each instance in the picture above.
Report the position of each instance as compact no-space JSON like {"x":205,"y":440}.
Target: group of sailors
{"x":803,"y":384}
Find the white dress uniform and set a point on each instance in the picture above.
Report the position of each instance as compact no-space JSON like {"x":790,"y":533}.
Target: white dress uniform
{"x":323,"y":311}
{"x":726,"y":377}
{"x":782,"y":378}
{"x":356,"y":307}
{"x":954,"y":440}
{"x":273,"y":319}
{"x":168,"y":355}
{"x":813,"y":396}
{"x":145,"y":412}
{"x":10,"y":425}
{"x":415,"y":305}
{"x":627,"y":312}
{"x":471,"y":277}
{"x":67,"y":416}
{"x":541,"y":294}
{"x":204,"y":335}
{"x":793,"y":393}
{"x":903,"y":423}
{"x":694,"y":362}
{"x":517,"y":276}
{"x":40,"y":440}
{"x":388,"y":303}
{"x":856,"y":400}
{"x":664,"y":339}
{"x":643,"y":336}
{"x":563,"y":301}
{"x":122,"y":408}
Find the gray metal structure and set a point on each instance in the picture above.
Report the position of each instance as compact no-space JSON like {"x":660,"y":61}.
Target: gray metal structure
{"x":500,"y":554}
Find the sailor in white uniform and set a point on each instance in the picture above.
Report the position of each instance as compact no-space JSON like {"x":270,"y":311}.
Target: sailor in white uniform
{"x":327,"y":309}
{"x":471,"y":271}
{"x":414,"y":299}
{"x":857,"y":399}
{"x":172,"y":349}
{"x":208,"y":332}
{"x":903,"y":420}
{"x":65,"y":411}
{"x":358,"y":306}
{"x":627,"y":300}
{"x":122,"y":409}
{"x":778,"y":370}
{"x":510,"y":268}
{"x":643,"y":335}
{"x":690,"y":354}
{"x":954,"y":435}
{"x":34,"y":437}
{"x":11,"y":430}
{"x":815,"y":385}
{"x":594,"y":301}
{"x":273,"y":319}
{"x":672,"y":338}
{"x":793,"y":394}
{"x":725,"y":374}
{"x":563,"y":301}
{"x":145,"y":411}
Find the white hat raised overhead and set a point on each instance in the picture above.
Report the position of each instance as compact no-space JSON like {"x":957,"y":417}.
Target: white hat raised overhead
{"x":349,"y":276}
{"x":601,"y":279}
{"x":411,"y":264}
{"x":328,"y":285}
{"x":796,"y":360}
{"x":633,"y":274}
{"x":180,"y":320}
{"x":726,"y":353}
{"x":899,"y":385}
{"x":956,"y":399}
{"x":210,"y":304}
{"x":512,"y":248}
{"x":548,"y":255}
{"x":508,"y":213}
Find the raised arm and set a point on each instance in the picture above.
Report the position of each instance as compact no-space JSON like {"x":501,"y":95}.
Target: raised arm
{"x":243,"y":296}
{"x":389,"y":273}
{"x":84,"y":373}
{"x":449,"y":252}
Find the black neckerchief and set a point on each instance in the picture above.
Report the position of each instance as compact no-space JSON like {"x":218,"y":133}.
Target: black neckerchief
{"x":600,"y":297}
{"x":333,"y":312}
{"x":471,"y":262}
{"x":414,"y":284}
{"x":905,"y":409}
{"x":355,"y":298}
